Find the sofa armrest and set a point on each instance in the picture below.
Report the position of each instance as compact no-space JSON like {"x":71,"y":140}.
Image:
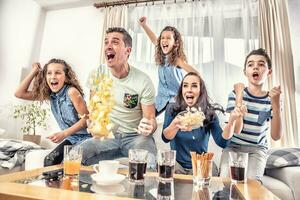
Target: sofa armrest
{"x":35,"y":158}
{"x":288,"y":175}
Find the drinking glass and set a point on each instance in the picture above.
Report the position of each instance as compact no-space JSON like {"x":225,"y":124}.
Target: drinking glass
{"x":238,"y":166}
{"x":137,"y":164}
{"x":166,"y":164}
{"x":72,"y":160}
{"x":202,"y":172}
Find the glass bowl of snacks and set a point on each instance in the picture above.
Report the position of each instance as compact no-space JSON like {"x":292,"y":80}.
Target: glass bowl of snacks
{"x":192,"y":117}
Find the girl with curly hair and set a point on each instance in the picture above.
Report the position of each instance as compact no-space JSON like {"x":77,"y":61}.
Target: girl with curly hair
{"x":172,"y":61}
{"x":57,"y":83}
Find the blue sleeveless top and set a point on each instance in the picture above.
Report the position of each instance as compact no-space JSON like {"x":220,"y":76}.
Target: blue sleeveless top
{"x":66,"y":115}
{"x":170,"y":78}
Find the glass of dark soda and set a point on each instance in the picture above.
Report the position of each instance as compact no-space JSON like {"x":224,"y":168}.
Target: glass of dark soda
{"x":238,"y":166}
{"x":166,"y":164}
{"x":137,"y":164}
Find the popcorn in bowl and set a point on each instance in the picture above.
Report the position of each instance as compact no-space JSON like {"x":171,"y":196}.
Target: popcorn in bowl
{"x":192,"y":117}
{"x":100,"y":106}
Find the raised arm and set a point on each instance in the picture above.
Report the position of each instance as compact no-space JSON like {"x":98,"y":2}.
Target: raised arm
{"x":148,"y":31}
{"x":230,"y":126}
{"x":276,"y":132}
{"x":184,"y":65}
{"x":238,"y":89}
{"x":22,"y":91}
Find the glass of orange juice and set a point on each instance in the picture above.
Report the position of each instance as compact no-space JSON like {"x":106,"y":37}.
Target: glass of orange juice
{"x":72,"y":160}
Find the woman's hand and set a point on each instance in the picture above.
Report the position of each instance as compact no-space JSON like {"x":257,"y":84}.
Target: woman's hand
{"x":177,"y":122}
{"x":57,"y":137}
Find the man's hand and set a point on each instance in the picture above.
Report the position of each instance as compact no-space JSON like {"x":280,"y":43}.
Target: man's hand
{"x":146,"y":126}
{"x":57,"y":137}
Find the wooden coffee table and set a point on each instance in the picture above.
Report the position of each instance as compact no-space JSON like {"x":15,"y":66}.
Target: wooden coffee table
{"x":10,"y":189}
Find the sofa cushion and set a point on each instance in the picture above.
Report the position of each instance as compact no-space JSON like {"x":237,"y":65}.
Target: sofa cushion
{"x":283,"y":157}
{"x":289,"y":175}
{"x":280,"y":189}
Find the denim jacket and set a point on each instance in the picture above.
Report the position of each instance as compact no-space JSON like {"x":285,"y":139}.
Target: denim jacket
{"x":66,"y":114}
{"x":170,"y":78}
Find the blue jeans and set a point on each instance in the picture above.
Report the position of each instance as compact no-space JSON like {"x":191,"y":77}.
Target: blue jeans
{"x":95,"y":150}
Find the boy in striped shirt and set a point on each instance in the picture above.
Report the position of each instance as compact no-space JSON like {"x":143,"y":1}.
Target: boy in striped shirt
{"x":261,"y":111}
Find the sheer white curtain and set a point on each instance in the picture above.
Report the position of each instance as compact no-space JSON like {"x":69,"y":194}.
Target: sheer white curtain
{"x":114,"y":17}
{"x":217,"y":36}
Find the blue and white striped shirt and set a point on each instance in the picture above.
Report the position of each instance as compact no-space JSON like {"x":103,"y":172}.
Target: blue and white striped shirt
{"x":256,"y":120}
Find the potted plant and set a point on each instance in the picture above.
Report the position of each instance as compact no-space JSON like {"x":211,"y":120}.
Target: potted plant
{"x":34,"y":116}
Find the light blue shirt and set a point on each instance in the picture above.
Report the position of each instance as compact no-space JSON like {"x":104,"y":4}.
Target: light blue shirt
{"x":66,"y":115}
{"x":170,"y":78}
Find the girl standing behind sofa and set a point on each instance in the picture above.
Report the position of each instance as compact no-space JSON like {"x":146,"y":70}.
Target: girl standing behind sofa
{"x":58,"y":83}
{"x":171,"y":59}
{"x":184,"y":139}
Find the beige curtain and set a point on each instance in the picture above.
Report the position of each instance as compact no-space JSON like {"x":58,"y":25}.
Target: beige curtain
{"x":114,"y":17}
{"x":274,"y":36}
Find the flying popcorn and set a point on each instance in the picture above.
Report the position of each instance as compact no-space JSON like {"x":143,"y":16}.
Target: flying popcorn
{"x":100,"y":106}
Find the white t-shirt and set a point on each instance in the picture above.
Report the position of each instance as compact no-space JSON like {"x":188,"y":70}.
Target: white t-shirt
{"x":129,"y":93}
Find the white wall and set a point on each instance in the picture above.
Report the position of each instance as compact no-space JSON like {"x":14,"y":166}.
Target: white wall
{"x":30,"y":34}
{"x":74,"y":35}
{"x":18,"y":23}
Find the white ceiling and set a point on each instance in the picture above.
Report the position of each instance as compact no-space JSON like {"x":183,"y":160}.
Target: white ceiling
{"x":63,"y":4}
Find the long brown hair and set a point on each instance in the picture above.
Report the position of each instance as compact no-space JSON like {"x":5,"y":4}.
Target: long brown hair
{"x":204,"y":102}
{"x":41,"y":90}
{"x":176,"y":52}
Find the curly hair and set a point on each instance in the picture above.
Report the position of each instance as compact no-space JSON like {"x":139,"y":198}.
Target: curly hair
{"x":176,"y":52}
{"x":41,"y":89}
{"x":204,"y":102}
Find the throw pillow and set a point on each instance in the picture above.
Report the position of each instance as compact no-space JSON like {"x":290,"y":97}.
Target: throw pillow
{"x":283,"y":157}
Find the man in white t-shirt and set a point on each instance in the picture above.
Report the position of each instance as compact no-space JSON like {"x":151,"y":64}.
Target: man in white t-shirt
{"x":134,"y":110}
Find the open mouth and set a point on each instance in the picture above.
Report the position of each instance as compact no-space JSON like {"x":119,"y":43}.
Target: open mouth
{"x":189,"y":99}
{"x":165,"y":47}
{"x":54,"y":83}
{"x":255,"y":75}
{"x":110,"y":56}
